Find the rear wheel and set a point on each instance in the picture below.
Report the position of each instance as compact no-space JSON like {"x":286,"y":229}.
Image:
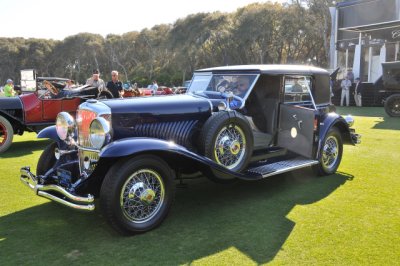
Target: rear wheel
{"x":330,"y":153}
{"x":137,"y":194}
{"x":392,"y":105}
{"x":6,"y":134}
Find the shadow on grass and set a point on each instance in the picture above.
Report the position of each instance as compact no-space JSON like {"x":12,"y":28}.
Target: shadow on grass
{"x":22,"y":148}
{"x":361,"y":111}
{"x":392,"y":123}
{"x":205,"y":219}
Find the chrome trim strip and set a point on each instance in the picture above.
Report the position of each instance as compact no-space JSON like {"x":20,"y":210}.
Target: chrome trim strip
{"x":290,"y":169}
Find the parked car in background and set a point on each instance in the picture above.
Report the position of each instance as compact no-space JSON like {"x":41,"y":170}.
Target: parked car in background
{"x":34,"y":111}
{"x":391,"y":88}
{"x":236,"y":122}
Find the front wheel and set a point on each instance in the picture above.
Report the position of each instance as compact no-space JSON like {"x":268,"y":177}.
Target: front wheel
{"x":392,"y":105}
{"x":137,"y":194}
{"x":6,"y":134}
{"x":47,"y":159}
{"x":330,"y":153}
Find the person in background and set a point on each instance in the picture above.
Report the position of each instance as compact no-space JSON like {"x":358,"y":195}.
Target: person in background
{"x":69,"y":84}
{"x":96,"y":81}
{"x":9,"y":89}
{"x":296,"y":86}
{"x":350,"y":75}
{"x":345,"y":84}
{"x":358,"y":92}
{"x":115,"y":86}
{"x":154,"y":87}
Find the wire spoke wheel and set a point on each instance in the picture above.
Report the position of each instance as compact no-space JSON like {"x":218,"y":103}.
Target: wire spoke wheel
{"x":330,"y":153}
{"x":230,"y":146}
{"x":142,"y":196}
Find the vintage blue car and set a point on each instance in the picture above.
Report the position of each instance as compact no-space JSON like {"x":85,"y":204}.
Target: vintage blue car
{"x":236,"y":122}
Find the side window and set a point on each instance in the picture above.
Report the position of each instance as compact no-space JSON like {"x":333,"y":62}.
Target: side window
{"x":298,"y":89}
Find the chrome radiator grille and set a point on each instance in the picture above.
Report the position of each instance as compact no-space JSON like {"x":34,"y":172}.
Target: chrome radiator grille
{"x":84,"y":118}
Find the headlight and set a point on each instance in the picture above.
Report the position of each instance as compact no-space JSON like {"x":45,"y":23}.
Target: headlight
{"x":350,"y":120}
{"x":99,"y":130}
{"x":65,"y":125}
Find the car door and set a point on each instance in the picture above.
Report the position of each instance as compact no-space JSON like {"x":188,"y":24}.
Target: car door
{"x":296,"y":118}
{"x":296,"y":129}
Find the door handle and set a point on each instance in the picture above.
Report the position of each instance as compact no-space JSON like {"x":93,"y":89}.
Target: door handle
{"x":294,"y":117}
{"x":299,"y":123}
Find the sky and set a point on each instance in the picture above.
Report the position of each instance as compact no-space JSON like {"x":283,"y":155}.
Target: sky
{"x":54,"y":19}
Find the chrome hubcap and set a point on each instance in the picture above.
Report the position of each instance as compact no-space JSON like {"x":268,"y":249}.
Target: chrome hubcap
{"x":142,"y":195}
{"x":230,"y":146}
{"x":330,"y":152}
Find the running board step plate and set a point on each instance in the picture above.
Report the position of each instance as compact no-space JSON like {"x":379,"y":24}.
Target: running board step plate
{"x":270,"y":169}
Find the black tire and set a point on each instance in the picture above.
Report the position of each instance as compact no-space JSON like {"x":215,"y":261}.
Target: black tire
{"x":128,"y":175}
{"x":330,"y":154}
{"x":6,"y":134}
{"x":47,"y":159}
{"x":392,"y":105}
{"x":216,"y":129}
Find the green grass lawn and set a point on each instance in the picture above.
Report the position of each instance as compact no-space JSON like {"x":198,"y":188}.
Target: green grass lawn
{"x":352,"y":217}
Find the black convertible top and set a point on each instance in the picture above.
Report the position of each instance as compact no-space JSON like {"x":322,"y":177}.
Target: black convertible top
{"x":269,"y":69}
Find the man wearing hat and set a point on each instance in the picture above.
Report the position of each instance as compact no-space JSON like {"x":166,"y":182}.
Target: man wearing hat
{"x":96,"y":81}
{"x":9,"y":89}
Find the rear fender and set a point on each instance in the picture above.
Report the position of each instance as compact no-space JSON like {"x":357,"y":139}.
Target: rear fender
{"x":334,"y":120}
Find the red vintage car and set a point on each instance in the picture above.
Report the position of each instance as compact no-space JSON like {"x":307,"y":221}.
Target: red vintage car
{"x":34,"y":111}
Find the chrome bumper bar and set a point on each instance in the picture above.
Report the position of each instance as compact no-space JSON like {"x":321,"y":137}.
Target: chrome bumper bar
{"x":356,"y":138}
{"x":74,"y":201}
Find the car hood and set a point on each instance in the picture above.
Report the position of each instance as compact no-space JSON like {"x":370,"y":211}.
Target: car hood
{"x":160,"y":105}
{"x":157,"y":116}
{"x":8,"y":103}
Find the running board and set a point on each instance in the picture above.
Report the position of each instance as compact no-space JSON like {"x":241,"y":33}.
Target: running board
{"x":270,"y":169}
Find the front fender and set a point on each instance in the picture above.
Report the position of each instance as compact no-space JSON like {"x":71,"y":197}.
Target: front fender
{"x":49,"y":133}
{"x":176,"y":155}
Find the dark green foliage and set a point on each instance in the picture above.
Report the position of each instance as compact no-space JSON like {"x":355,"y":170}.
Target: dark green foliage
{"x":258,"y":33}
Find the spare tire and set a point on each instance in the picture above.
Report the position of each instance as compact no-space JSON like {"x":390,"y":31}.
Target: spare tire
{"x":227,"y":139}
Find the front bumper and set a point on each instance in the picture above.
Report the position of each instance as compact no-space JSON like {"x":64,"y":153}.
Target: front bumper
{"x":56,"y":193}
{"x":356,"y":138}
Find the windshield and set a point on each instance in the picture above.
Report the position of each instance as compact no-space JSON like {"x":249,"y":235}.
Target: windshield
{"x":238,"y":84}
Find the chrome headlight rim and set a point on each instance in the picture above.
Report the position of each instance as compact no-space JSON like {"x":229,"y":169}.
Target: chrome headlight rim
{"x":349,"y":120}
{"x":65,"y":126}
{"x":99,"y":131}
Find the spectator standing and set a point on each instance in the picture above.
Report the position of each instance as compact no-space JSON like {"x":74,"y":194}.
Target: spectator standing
{"x":154,"y":87}
{"x":345,"y":84}
{"x":96,"y":81}
{"x":358,"y":92}
{"x":9,"y":89}
{"x":350,"y":75}
{"x":115,"y":86}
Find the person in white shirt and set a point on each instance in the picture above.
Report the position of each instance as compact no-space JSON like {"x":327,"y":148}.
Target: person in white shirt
{"x":345,"y":84}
